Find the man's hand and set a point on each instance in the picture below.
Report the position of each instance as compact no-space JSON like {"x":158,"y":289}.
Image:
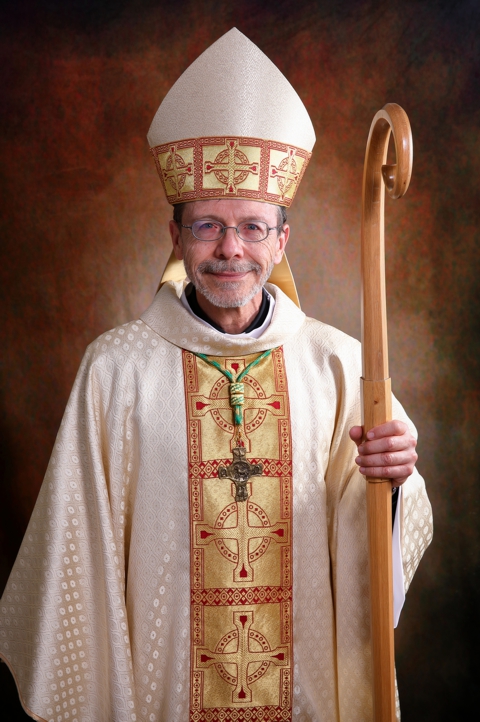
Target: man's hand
{"x":387,"y":453}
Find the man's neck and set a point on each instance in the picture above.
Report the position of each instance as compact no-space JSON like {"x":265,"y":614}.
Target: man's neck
{"x":229,"y":320}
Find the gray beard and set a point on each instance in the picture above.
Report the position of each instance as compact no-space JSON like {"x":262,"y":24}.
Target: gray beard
{"x":235,"y":299}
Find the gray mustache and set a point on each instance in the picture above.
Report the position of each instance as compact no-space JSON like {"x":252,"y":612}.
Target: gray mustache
{"x":228,"y":267}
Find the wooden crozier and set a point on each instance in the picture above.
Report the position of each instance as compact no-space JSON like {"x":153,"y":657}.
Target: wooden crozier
{"x":376,"y":387}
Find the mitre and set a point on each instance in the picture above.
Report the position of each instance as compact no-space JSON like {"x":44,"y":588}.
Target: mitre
{"x":232,"y":126}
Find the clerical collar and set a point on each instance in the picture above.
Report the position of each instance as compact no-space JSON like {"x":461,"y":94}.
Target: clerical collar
{"x":255,"y":328}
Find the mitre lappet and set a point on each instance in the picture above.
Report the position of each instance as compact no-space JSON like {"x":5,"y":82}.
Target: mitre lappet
{"x":232,"y":126}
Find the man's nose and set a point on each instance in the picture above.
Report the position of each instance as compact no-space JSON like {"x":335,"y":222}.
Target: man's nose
{"x":229,"y":245}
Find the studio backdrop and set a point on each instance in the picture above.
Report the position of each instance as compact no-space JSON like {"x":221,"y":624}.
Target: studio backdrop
{"x":84,"y":240}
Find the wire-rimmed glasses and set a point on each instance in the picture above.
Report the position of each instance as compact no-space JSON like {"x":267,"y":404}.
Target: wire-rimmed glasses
{"x":248,"y":231}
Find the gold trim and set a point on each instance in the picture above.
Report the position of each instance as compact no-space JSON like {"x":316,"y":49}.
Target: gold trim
{"x":281,"y":276}
{"x":230,"y":167}
{"x":240,"y":548}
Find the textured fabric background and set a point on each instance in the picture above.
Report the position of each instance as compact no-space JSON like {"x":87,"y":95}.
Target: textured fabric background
{"x":83,"y":235}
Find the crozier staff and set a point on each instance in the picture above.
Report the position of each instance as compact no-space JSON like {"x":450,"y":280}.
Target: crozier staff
{"x":198,"y":549}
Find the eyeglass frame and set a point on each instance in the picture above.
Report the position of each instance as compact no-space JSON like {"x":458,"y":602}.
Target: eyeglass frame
{"x":225,"y":229}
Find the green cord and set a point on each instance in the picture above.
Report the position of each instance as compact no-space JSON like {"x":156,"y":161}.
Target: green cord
{"x":216,"y":364}
{"x":254,"y":363}
{"x":236,"y":388}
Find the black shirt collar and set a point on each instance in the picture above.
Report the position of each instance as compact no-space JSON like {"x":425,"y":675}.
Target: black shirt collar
{"x":191,"y":296}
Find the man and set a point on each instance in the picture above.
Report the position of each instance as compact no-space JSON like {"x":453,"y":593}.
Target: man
{"x":198,"y":549}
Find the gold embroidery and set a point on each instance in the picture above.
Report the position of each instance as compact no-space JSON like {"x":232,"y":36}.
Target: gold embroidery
{"x":285,"y":173}
{"x":230,"y":167}
{"x":241,"y":577}
{"x":176,"y":168}
{"x":217,"y":404}
{"x":243,"y":648}
{"x":251,"y":533}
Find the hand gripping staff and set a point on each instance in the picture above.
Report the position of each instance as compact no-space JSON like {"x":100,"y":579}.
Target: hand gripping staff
{"x":376,"y":384}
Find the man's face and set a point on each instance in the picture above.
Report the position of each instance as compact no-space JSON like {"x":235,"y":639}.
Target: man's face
{"x":229,"y":272}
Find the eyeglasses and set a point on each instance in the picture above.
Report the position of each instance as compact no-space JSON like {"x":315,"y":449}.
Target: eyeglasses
{"x":248,"y":231}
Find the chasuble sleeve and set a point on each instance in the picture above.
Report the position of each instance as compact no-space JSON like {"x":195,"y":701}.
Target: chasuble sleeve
{"x":63,"y":623}
{"x":324,"y":371}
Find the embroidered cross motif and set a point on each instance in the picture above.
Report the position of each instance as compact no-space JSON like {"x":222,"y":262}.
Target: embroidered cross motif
{"x":231,"y":167}
{"x":241,"y":551}
{"x":176,"y":170}
{"x":240,"y":648}
{"x":243,"y":535}
{"x":216,"y":404}
{"x":286,"y":172}
{"x":236,"y":401}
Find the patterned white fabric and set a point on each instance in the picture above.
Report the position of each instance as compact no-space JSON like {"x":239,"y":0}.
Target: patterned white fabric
{"x":251,"y":97}
{"x":94,"y":621}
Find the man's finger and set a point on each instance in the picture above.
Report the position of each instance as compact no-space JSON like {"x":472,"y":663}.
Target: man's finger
{"x":396,"y":474}
{"x":388,"y":444}
{"x":356,"y":434}
{"x":389,"y":428}
{"x":406,"y":459}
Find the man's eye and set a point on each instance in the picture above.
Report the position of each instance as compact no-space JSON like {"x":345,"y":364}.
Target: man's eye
{"x":208,"y":226}
{"x":252,"y":227}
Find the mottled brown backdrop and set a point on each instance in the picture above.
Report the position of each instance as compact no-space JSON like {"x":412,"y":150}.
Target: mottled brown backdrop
{"x":84,"y":241}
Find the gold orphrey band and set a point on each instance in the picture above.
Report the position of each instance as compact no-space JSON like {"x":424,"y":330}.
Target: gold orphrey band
{"x":230,"y":167}
{"x":241,"y":551}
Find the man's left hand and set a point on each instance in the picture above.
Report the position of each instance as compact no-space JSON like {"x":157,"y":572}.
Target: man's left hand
{"x":388,"y":451}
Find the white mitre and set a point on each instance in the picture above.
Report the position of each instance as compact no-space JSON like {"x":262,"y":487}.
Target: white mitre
{"x":232,"y":126}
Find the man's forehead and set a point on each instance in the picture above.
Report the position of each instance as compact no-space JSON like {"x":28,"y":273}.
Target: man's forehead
{"x":229,"y":207}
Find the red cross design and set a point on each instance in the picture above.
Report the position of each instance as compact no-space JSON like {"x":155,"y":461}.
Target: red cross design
{"x":231,"y":166}
{"x":286,"y":172}
{"x":176,"y":170}
{"x":240,"y":648}
{"x":219,"y":406}
{"x":243,"y":535}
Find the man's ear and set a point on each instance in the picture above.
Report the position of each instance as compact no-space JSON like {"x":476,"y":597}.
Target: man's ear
{"x":176,"y":240}
{"x":282,"y":240}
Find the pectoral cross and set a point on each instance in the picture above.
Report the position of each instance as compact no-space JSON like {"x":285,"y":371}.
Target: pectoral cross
{"x":240,"y":471}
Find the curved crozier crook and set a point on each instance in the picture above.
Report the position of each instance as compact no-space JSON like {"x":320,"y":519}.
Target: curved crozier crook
{"x":391,"y":119}
{"x":397,"y":176}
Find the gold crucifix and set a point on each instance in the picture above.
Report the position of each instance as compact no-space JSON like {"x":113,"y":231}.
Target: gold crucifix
{"x":240,"y":471}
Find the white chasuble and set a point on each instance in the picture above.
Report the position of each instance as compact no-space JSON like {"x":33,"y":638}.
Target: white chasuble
{"x":144,"y":591}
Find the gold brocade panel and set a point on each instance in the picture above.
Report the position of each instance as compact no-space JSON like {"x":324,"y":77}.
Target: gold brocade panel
{"x":230,"y":167}
{"x":241,"y":551}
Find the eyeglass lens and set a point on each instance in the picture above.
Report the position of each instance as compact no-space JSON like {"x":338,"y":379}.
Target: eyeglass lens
{"x":250,"y":231}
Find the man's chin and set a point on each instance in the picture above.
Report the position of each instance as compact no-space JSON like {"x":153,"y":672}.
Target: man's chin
{"x":234,"y":296}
